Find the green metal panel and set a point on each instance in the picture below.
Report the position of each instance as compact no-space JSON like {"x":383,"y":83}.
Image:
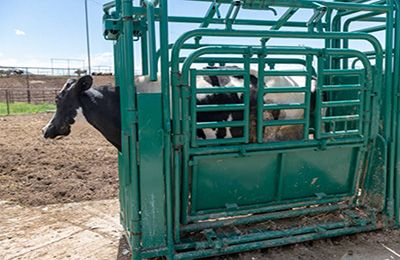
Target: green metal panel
{"x":233,"y":180}
{"x":152,"y":192}
{"x":319,"y":173}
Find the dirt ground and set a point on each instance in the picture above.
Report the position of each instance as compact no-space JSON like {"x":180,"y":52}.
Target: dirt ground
{"x":36,"y":171}
{"x":83,"y":166}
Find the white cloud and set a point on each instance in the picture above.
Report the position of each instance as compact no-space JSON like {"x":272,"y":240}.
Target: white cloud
{"x":102,"y":59}
{"x":19,"y":32}
{"x":30,"y":62}
{"x":1,"y":54}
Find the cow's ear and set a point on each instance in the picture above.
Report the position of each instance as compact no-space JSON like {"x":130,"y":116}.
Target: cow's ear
{"x":83,"y":84}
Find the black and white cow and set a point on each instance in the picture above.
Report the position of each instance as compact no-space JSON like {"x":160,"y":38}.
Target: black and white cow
{"x":224,"y":98}
{"x":101,"y":107}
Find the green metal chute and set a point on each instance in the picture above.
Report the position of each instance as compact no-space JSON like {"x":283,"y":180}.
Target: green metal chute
{"x":185,"y":197}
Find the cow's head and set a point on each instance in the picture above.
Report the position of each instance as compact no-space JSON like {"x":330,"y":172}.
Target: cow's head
{"x":67,"y":101}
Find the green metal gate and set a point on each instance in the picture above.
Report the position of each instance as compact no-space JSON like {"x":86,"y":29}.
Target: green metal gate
{"x":185,"y":197}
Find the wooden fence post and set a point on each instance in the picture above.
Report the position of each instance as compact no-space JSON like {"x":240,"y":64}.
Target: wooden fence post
{"x":8,"y":102}
{"x":28,"y":87}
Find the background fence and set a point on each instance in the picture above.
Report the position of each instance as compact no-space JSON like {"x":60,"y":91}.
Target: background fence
{"x":6,"y":71}
{"x":33,"y":96}
{"x":33,"y":87}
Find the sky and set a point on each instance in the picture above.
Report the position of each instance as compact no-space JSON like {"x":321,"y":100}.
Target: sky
{"x":35,"y":31}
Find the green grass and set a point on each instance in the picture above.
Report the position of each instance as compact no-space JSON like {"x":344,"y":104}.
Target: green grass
{"x":25,"y":108}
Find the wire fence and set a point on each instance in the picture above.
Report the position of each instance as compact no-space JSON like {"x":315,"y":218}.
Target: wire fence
{"x":29,"y":96}
{"x":15,"y":97}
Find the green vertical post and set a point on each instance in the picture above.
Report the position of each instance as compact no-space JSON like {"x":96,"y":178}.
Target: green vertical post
{"x":151,"y":39}
{"x":260,"y":98}
{"x":389,"y":115}
{"x":396,"y":133}
{"x":128,"y":124}
{"x":145,"y":55}
{"x":165,"y":90}
{"x":307,"y":96}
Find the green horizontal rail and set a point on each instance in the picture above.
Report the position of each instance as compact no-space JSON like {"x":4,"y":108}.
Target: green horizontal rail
{"x":341,"y":103}
{"x":340,"y":118}
{"x":219,"y":107}
{"x":271,"y":207}
{"x":341,"y":133}
{"x":216,"y":90}
{"x":342,"y":72}
{"x":202,"y":125}
{"x":284,"y":106}
{"x":262,"y":217}
{"x":263,"y":4}
{"x":220,"y":72}
{"x":342,"y":87}
{"x":287,"y":73}
{"x":274,"y":147}
{"x":291,"y":239}
{"x":268,"y":234}
{"x":285,"y":122}
{"x":185,"y":19}
{"x":284,"y":90}
{"x":221,"y":141}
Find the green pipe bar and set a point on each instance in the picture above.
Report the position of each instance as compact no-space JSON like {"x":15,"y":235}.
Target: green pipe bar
{"x":275,"y":147}
{"x":152,"y":39}
{"x":199,"y":20}
{"x":128,"y":106}
{"x":164,"y":56}
{"x":262,"y":217}
{"x":270,"y":235}
{"x":282,"y":21}
{"x":395,"y":125}
{"x":310,"y":4}
{"x":256,"y":209}
{"x":276,"y":242}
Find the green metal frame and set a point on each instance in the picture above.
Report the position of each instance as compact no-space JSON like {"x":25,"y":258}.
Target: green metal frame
{"x":185,"y":198}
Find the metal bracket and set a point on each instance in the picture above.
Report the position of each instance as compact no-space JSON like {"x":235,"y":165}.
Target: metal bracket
{"x":213,"y":239}
{"x":230,"y":18}
{"x":316,"y":17}
{"x":356,"y":218}
{"x":179,"y":140}
{"x":112,"y":27}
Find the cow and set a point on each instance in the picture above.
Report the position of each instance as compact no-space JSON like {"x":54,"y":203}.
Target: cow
{"x":99,"y":105}
{"x":287,"y":132}
{"x":101,"y":108}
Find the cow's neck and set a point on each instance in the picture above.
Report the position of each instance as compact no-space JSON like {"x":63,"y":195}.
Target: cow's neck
{"x":101,"y":109}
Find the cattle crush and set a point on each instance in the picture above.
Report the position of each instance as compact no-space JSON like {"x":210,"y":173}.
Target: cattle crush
{"x":185,"y":197}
